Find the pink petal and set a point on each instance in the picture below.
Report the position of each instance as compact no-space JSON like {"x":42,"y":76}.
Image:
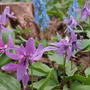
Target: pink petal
{"x":20,"y":72}
{"x":6,"y":14}
{"x":30,"y":46}
{"x":25,"y":79}
{"x":49,"y":48}
{"x":39,"y":52}
{"x":12,"y":55}
{"x":10,"y":67}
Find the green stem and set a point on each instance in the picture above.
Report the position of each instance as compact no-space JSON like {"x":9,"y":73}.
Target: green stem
{"x":71,"y":65}
{"x":32,"y":76}
{"x":89,"y":30}
{"x":64,"y":69}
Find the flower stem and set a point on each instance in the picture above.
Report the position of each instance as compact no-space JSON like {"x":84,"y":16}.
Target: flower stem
{"x":32,"y":76}
{"x":64,"y":69}
{"x":89,"y":30}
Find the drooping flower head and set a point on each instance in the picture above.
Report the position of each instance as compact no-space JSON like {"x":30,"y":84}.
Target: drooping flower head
{"x":66,"y":47}
{"x":72,"y":23}
{"x":3,"y":46}
{"x":41,"y":17}
{"x":4,"y":19}
{"x":63,"y":47}
{"x":86,"y":11}
{"x":25,"y":56}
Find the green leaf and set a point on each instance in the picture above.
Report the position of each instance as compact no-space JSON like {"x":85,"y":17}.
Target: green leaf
{"x":65,"y":87}
{"x":88,"y":34}
{"x":84,"y":43}
{"x":78,"y":86}
{"x":87,"y":71}
{"x":46,"y":81}
{"x":82,"y":79}
{"x":50,"y":86}
{"x":39,"y":69}
{"x":57,"y":59}
{"x":8,"y":83}
{"x":4,"y":60}
{"x":49,"y":83}
{"x":69,"y":69}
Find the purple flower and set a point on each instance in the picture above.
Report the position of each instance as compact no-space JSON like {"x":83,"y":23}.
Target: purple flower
{"x":3,"y":46}
{"x":71,"y":22}
{"x":5,"y":15}
{"x":86,"y":11}
{"x":74,"y":41}
{"x":63,"y":47}
{"x":25,"y":56}
{"x":4,"y":19}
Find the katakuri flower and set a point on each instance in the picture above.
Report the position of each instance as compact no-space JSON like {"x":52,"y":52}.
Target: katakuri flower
{"x":4,"y":47}
{"x":86,"y":11}
{"x":72,"y":23}
{"x":26,"y":56}
{"x":4,"y":19}
{"x":63,"y":47}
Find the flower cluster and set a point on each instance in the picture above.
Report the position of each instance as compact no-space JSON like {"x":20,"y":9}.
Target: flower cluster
{"x":41,"y":17}
{"x":71,"y":20}
{"x":74,"y":8}
{"x":25,"y":56}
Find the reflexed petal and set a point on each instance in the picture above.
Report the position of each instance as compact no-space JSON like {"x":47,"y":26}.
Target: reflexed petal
{"x":49,"y":48}
{"x":60,"y":51}
{"x":10,"y":67}
{"x":20,"y":72}
{"x":12,"y":55}
{"x":30,"y":46}
{"x":73,"y":36}
{"x":69,"y":53}
{"x":57,"y":44}
{"x":25,"y":79}
{"x":39,"y":52}
{"x":21,"y":50}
